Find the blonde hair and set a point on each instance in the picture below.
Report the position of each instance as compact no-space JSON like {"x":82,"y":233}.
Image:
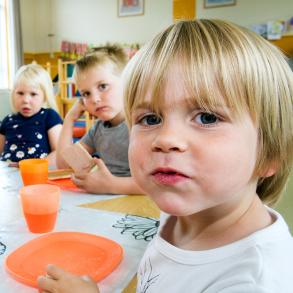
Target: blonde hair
{"x":221,"y":59}
{"x":109,"y":54}
{"x":37,"y":76}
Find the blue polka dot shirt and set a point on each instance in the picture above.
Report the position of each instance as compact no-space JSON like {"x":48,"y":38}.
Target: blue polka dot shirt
{"x":27,"y":137}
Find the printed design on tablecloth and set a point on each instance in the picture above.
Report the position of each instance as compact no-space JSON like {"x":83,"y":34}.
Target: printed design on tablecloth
{"x":140,"y":227}
{"x":2,"y":248}
{"x":147,"y":277}
{"x":10,"y":188}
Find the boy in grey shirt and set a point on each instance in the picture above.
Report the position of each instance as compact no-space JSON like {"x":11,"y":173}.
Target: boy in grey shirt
{"x":98,"y":79}
{"x":111,"y":145}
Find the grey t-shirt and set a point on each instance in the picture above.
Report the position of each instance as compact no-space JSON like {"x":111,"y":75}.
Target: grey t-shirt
{"x":111,"y":143}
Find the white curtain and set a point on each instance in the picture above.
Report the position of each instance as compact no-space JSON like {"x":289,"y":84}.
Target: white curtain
{"x":11,"y":55}
{"x":16,"y":36}
{"x":18,"y":49}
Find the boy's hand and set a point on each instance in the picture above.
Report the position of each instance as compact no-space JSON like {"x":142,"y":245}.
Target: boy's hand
{"x":59,"y":281}
{"x":98,"y":181}
{"x":76,"y":110}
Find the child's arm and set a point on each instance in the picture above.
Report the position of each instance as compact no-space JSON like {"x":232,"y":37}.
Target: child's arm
{"x":102,"y":181}
{"x":59,"y":281}
{"x":2,"y":142}
{"x":65,"y":139}
{"x":53,"y":134}
{"x":78,"y":158}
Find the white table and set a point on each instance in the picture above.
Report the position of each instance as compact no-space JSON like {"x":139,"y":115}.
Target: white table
{"x":71,"y":217}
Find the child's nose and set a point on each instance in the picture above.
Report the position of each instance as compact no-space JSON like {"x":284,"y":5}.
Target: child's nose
{"x":96,"y":97}
{"x":26,"y":98}
{"x":168,"y":139}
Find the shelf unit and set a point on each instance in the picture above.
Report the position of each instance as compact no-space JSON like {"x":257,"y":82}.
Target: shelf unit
{"x":64,"y":82}
{"x":67,"y":90}
{"x":44,"y":59}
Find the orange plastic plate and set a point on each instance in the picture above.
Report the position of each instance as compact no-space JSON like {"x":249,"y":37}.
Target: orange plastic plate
{"x":78,"y":253}
{"x":66,"y":184}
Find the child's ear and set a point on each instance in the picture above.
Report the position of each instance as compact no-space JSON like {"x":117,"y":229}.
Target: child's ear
{"x":270,"y":170}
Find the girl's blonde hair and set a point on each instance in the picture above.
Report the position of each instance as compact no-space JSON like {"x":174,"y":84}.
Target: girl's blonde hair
{"x":109,"y":54}
{"x":221,"y":59}
{"x":36,"y":76}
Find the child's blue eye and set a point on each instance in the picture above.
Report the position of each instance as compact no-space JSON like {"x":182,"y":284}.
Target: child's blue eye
{"x":206,"y":118}
{"x":150,"y":119}
{"x":103,"y":86}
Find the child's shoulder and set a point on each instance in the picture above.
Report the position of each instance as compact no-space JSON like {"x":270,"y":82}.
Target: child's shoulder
{"x":9,"y":119}
{"x":105,"y":126}
{"x":48,"y":111}
{"x":261,"y":260}
{"x":269,"y":243}
{"x":51,"y":116}
{"x":274,"y":241}
{"x":10,"y":116}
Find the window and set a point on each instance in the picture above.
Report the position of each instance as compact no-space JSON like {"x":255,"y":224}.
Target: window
{"x":7,"y":43}
{"x":4,"y":70}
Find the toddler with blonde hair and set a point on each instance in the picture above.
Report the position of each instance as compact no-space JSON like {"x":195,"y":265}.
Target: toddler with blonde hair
{"x":209,"y":107}
{"x":33,"y":129}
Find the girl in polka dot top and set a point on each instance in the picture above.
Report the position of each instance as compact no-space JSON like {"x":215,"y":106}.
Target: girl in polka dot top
{"x":33,"y":129}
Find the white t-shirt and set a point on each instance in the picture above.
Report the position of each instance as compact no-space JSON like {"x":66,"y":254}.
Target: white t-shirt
{"x":260,"y":263}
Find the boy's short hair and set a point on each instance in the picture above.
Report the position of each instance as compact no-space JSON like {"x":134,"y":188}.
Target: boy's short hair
{"x":37,"y":76}
{"x":113,"y":54}
{"x":221,"y":59}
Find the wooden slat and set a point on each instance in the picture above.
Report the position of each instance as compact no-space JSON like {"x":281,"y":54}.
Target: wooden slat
{"x":131,"y":287}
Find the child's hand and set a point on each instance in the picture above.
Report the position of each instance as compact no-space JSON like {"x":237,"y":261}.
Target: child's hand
{"x":76,"y":110}
{"x":98,"y":181}
{"x":59,"y":281}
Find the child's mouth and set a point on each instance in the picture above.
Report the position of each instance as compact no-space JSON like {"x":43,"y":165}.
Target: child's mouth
{"x":101,"y":109}
{"x":168,"y":176}
{"x":25,"y":110}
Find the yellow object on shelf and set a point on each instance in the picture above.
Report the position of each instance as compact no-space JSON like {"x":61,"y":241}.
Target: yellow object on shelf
{"x":285,"y":44}
{"x":184,"y":9}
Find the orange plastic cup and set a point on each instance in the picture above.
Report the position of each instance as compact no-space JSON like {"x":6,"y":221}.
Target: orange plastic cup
{"x":40,"y":204}
{"x":34,"y":171}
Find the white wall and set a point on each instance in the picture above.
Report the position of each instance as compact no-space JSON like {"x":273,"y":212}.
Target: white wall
{"x":27,"y":14}
{"x":96,"y":21}
{"x":89,"y":21}
{"x":5,"y":104}
{"x":248,"y":12}
{"x":35,"y":20}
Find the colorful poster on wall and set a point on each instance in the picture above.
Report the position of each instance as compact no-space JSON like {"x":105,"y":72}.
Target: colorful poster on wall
{"x":130,"y":7}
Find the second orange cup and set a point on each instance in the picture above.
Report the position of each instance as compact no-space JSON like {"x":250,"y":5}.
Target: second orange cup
{"x":40,"y":204}
{"x":34,"y":171}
